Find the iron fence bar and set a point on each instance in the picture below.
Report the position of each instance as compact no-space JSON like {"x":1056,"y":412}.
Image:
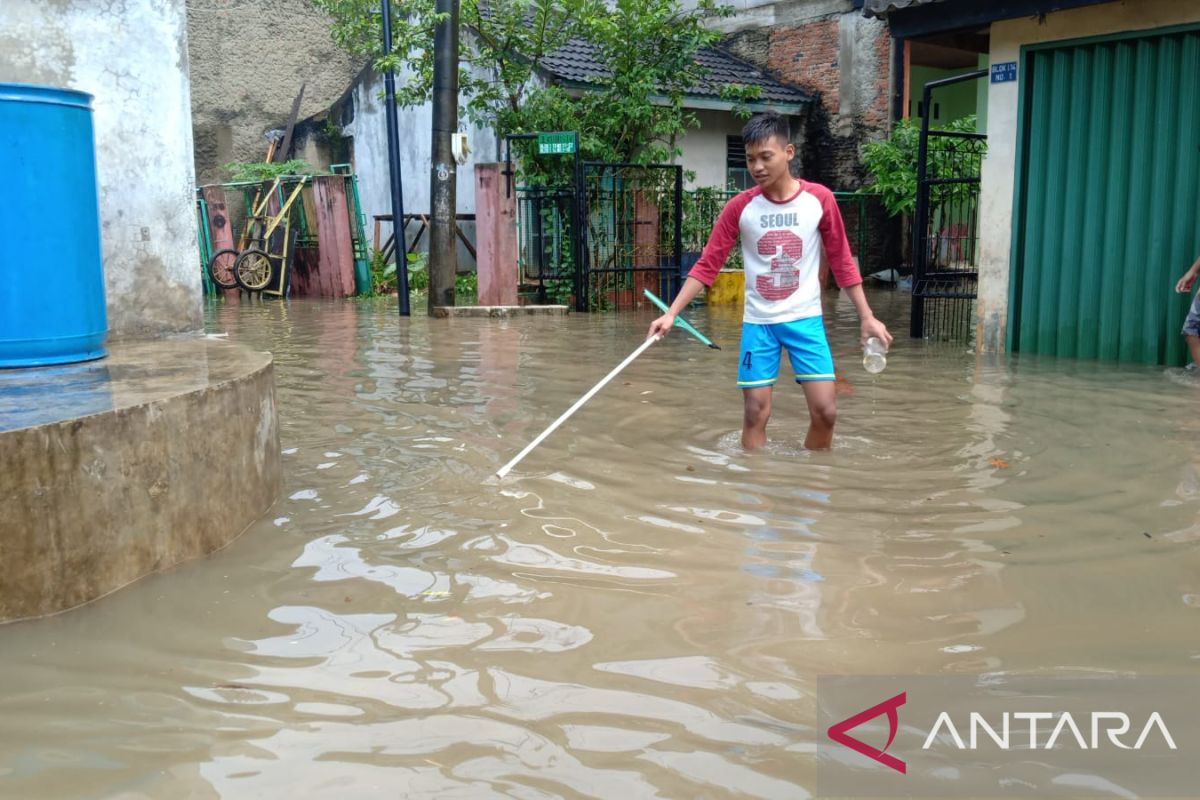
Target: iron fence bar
{"x":959,"y":134}
{"x":617,"y":270}
{"x":678,"y":261}
{"x":949,"y":181}
{"x":579,"y":222}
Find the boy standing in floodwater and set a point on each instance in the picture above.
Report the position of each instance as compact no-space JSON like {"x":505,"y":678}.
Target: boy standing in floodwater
{"x":783,"y":223}
{"x":1191,"y":325}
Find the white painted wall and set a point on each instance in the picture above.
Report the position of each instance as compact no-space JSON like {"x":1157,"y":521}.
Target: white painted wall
{"x":704,"y":148}
{"x":132,"y":55}
{"x":369,"y":131}
{"x":999,"y":167}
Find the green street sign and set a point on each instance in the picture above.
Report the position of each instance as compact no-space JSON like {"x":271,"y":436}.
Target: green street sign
{"x":557,"y":143}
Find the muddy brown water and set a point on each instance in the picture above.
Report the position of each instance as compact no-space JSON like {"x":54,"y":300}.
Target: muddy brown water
{"x":642,"y":610}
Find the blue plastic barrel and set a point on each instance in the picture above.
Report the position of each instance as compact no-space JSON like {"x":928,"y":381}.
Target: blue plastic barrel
{"x":51,"y":274}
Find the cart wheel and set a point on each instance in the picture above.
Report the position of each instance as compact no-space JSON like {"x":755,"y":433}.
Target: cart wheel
{"x":253,"y":270}
{"x":220,"y":268}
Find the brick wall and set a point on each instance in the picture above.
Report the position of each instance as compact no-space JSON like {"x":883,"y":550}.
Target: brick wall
{"x":807,"y":55}
{"x":852,"y":100}
{"x":810,"y":54}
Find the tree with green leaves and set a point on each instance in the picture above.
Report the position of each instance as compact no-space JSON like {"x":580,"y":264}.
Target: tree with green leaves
{"x":632,"y":111}
{"x":892,"y":165}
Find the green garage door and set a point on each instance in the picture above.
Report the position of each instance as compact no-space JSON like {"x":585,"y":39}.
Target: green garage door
{"x":1106,"y":212}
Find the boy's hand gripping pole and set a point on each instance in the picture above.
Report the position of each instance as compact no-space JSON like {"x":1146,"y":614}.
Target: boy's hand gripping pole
{"x":680,"y":321}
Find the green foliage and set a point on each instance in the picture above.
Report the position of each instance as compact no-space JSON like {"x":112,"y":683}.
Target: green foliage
{"x":892,"y":165}
{"x":559,"y":291}
{"x":466,"y":288}
{"x":598,"y":299}
{"x":383,"y":275}
{"x":701,"y":207}
{"x":263,"y":171}
{"x":418,"y":272}
{"x":634,"y":114}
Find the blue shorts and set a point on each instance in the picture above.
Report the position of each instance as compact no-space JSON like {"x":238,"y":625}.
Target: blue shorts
{"x":806,"y":345}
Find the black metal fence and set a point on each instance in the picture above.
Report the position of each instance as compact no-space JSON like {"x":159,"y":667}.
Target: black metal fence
{"x":946,"y":227}
{"x":703,"y":206}
{"x":641,"y":230}
{"x":633,"y":236}
{"x":545,"y":243}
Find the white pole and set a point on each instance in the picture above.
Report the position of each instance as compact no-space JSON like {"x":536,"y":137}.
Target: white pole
{"x":578,"y":404}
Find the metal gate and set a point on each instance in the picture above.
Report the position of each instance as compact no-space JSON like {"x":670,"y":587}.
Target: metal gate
{"x":603,"y":234}
{"x":945,"y":236}
{"x":546,"y":242}
{"x":632,"y":230}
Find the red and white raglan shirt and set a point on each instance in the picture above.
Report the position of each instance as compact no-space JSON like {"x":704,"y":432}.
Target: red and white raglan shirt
{"x":781,"y":251}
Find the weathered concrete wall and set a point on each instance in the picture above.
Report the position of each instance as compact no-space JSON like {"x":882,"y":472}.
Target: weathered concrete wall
{"x":833,"y":51}
{"x":173,"y":452}
{"x":132,"y":55}
{"x":1000,"y":164}
{"x":249,"y":58}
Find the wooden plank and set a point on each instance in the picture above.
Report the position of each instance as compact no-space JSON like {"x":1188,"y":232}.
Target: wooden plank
{"x":467,"y":242}
{"x":220,"y":230}
{"x":336,"y":252}
{"x":285,"y":150}
{"x":310,"y":209}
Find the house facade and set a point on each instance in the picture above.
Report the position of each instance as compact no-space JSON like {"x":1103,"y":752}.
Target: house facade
{"x":1091,"y":183}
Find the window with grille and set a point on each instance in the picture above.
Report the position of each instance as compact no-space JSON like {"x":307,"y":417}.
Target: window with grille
{"x":737,"y":177}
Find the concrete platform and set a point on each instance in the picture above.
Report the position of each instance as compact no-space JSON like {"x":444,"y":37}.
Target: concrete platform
{"x":499,"y":311}
{"x":110,"y":470}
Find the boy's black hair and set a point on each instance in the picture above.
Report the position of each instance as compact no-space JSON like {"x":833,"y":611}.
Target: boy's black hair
{"x":763,"y":126}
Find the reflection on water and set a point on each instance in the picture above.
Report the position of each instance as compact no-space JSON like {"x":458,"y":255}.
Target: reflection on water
{"x":643,"y":610}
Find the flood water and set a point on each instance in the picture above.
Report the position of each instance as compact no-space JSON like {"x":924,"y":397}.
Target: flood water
{"x":641,"y":610}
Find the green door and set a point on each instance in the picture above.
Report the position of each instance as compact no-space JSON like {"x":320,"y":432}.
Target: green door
{"x":1106,"y":213}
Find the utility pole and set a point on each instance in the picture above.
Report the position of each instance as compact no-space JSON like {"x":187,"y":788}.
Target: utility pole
{"x":397,"y":183}
{"x":443,"y":249}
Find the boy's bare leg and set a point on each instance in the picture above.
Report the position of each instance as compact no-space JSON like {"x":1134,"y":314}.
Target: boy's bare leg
{"x":822,"y":413}
{"x":757,"y":410}
{"x":1193,"y":343}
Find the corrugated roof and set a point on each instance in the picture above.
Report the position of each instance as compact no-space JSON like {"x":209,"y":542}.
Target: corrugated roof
{"x":578,"y":62}
{"x":879,"y":8}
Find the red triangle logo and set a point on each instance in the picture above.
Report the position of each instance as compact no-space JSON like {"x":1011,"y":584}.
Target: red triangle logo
{"x":839,"y":733}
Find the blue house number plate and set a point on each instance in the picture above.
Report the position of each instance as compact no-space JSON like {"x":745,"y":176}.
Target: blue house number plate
{"x":1004,"y":71}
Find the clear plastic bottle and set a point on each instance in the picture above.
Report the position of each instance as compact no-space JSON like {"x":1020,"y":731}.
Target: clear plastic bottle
{"x":874,"y":356}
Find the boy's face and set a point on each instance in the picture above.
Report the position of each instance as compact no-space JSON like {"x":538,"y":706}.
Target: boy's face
{"x":768,"y":159}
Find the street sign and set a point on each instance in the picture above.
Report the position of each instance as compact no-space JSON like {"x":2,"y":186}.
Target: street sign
{"x":556,"y":143}
{"x":1004,"y":71}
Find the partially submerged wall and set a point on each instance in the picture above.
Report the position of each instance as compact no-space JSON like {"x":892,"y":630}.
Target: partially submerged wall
{"x":143,"y":143}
